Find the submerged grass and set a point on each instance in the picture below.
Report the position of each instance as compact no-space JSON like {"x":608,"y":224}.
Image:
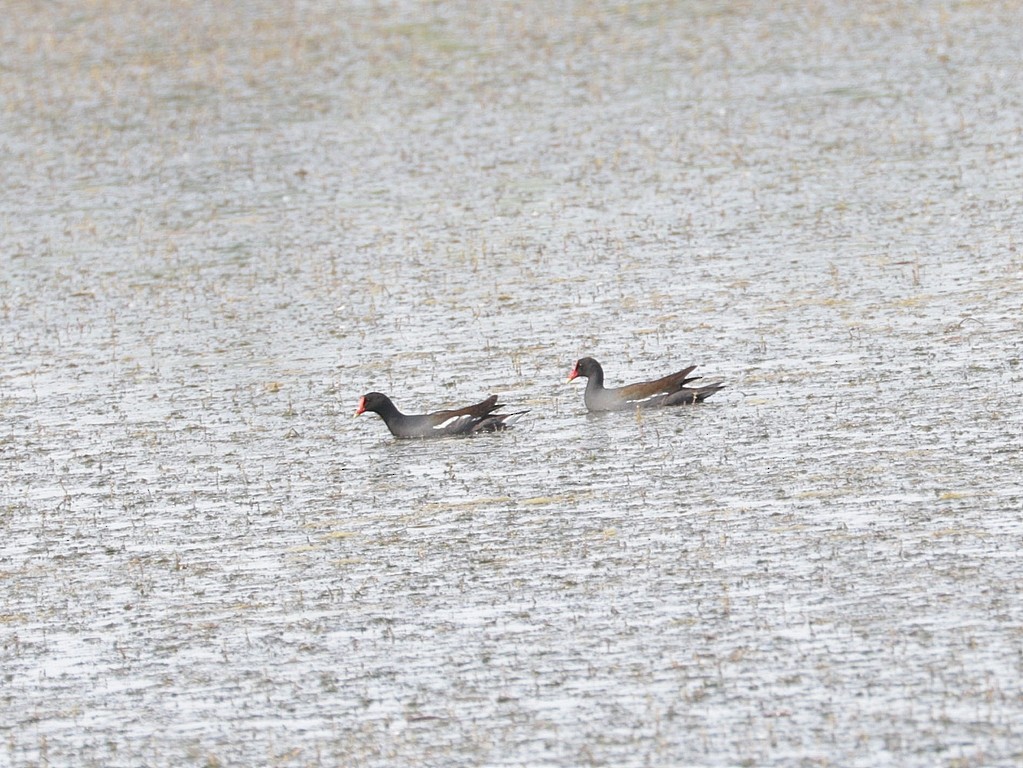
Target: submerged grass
{"x":258,"y":214}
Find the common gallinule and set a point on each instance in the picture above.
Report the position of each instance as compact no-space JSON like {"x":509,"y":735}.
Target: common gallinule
{"x":670,"y":390}
{"x":462,"y":421}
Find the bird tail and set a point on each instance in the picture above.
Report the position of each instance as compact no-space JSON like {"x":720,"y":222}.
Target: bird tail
{"x":496,"y":422}
{"x":688,"y":395}
{"x":702,"y":393}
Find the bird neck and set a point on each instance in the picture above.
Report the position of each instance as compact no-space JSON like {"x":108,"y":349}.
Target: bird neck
{"x":388,"y":410}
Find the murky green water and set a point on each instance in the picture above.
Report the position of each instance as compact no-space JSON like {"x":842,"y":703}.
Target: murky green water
{"x":219,"y":227}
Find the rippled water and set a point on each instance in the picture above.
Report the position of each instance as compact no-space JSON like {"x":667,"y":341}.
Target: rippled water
{"x":222,"y":226}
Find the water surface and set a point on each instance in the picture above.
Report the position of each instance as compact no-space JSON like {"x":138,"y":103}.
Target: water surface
{"x":222,"y":226}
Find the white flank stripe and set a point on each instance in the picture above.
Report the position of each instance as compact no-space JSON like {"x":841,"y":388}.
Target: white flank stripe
{"x":451,"y":422}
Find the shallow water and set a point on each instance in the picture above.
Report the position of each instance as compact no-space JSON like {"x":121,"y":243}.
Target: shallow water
{"x":222,"y":227}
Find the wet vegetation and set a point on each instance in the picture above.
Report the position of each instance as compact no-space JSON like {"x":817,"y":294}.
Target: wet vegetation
{"x":222,"y":225}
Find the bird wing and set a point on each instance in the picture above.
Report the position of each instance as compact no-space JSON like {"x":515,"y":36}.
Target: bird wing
{"x":662,"y":386}
{"x":458,"y":420}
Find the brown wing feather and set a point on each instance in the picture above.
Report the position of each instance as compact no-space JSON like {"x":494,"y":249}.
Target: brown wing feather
{"x":670,"y":383}
{"x":479,"y":410}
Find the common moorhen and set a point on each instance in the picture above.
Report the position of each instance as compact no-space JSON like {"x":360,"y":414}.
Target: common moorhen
{"x":670,"y":390}
{"x":463,"y":421}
